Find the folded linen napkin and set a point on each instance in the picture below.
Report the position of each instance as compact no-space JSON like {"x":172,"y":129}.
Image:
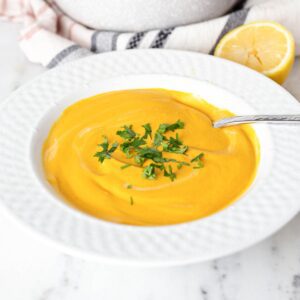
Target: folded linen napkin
{"x":50,"y":37}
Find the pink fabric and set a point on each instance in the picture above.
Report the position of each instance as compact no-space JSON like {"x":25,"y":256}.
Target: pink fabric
{"x":45,"y":26}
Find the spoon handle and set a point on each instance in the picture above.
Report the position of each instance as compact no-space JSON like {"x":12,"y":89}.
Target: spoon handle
{"x":274,"y":119}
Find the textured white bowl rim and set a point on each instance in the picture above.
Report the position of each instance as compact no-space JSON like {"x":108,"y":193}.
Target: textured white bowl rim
{"x":265,"y":208}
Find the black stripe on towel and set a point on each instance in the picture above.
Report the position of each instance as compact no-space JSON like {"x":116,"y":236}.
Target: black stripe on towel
{"x":135,"y":40}
{"x":94,"y":41}
{"x":161,"y":38}
{"x":62,"y":55}
{"x":235,"y":19}
{"x":103,"y":41}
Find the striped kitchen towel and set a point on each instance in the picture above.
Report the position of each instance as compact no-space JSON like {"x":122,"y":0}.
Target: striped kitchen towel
{"x":50,"y":37}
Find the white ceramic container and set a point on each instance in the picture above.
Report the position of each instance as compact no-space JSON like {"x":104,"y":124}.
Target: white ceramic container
{"x":139,"y":15}
{"x":26,"y":117}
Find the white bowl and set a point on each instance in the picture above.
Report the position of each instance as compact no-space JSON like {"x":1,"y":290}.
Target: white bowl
{"x":211,"y":93}
{"x":25,"y":119}
{"x":139,"y":15}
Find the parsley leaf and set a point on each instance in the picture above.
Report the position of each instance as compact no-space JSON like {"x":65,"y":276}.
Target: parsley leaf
{"x":170,"y":173}
{"x":197,"y":159}
{"x":126,"y":148}
{"x":131,"y":145}
{"x":163,"y":128}
{"x":174,"y":145}
{"x":106,"y":152}
{"x":137,"y":142}
{"x":149,"y":172}
{"x":181,"y":164}
{"x":199,"y":165}
{"x":139,"y":160}
{"x":148,"y":131}
{"x":131,"y":200}
{"x":127,"y":133}
{"x":113,"y":148}
{"x":158,"y":138}
{"x":150,"y":153}
{"x":125,"y":166}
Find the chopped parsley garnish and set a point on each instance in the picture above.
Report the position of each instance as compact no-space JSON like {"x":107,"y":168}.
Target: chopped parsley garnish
{"x":174,"y":145}
{"x":163,"y":128}
{"x":132,"y":144}
{"x":127,"y":133}
{"x":158,"y":139}
{"x":199,"y":165}
{"x":197,"y":159}
{"x":131,"y":200}
{"x":125,"y":166}
{"x":148,"y":131}
{"x":181,"y":164}
{"x":139,"y":160}
{"x":170,"y":173}
{"x":149,"y":155}
{"x":149,"y":172}
{"x":106,"y":151}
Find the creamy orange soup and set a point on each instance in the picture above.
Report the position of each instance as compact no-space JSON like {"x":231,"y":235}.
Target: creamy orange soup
{"x":230,"y":158}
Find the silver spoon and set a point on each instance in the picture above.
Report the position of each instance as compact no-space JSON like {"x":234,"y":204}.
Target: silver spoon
{"x":274,"y":119}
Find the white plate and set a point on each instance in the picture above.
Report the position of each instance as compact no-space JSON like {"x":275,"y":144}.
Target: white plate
{"x":25,"y":119}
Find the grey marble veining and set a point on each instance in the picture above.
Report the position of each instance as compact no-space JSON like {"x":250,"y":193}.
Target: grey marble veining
{"x":31,"y":270}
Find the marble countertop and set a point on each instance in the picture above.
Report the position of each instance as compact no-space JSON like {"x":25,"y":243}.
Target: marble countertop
{"x":31,"y":270}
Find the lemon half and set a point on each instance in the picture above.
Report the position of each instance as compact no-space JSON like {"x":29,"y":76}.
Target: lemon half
{"x":266,"y":47}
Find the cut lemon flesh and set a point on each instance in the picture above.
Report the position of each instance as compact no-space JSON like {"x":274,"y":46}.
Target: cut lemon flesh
{"x":266,"y":47}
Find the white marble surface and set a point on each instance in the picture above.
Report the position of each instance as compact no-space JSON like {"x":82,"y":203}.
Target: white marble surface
{"x":31,"y":270}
